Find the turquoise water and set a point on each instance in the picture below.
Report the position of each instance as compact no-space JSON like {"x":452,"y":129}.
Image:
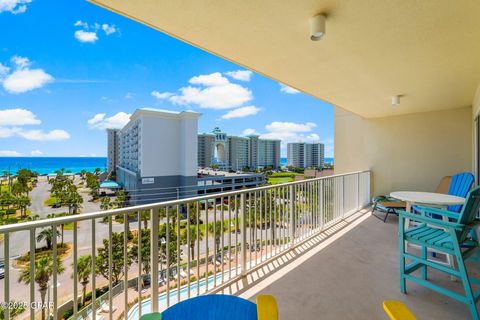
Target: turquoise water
{"x":46,"y":165}
{"x":162,"y":299}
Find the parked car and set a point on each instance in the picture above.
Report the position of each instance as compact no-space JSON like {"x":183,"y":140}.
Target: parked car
{"x":2,"y":271}
{"x":56,"y":205}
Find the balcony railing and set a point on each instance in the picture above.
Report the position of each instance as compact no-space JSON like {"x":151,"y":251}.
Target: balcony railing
{"x":184,"y":247}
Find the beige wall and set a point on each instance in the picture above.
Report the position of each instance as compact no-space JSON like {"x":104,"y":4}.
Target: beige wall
{"x":476,"y":103}
{"x":407,"y":152}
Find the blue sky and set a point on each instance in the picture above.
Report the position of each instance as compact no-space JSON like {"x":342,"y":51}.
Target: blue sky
{"x":68,"y":69}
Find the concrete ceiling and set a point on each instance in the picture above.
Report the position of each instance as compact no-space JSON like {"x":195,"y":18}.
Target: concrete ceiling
{"x":426,"y":50}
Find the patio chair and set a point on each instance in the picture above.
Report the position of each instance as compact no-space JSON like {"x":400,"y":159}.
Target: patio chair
{"x":459,"y":186}
{"x":447,"y":237}
{"x":388,"y":205}
{"x":218,"y":307}
{"x":396,"y":310}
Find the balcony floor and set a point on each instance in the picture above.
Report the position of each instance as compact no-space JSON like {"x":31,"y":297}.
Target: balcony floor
{"x":348,"y":274}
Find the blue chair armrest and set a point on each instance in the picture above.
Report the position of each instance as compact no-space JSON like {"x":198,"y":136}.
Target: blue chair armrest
{"x":438,"y":211}
{"x":431,"y":221}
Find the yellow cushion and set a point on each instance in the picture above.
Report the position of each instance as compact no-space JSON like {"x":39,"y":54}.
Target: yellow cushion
{"x":396,"y":310}
{"x":267,"y":308}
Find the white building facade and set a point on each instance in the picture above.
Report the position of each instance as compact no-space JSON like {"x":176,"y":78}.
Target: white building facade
{"x":113,"y":149}
{"x":158,"y":155}
{"x":237,"y":153}
{"x":306,"y":155}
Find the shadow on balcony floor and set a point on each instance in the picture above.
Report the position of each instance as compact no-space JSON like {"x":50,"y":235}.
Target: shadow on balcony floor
{"x":346,"y":273}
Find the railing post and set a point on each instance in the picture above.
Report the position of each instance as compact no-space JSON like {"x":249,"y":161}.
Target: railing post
{"x":321,"y":195}
{"x":292,"y":215}
{"x":358,"y":191}
{"x":243,"y":244}
{"x":154,"y":257}
{"x":343,"y":196}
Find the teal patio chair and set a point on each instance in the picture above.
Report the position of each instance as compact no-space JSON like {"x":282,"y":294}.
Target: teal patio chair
{"x":219,"y":307}
{"x":450,"y":237}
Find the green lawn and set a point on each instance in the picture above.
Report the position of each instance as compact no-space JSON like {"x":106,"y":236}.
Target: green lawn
{"x":280,"y":180}
{"x":282,"y":177}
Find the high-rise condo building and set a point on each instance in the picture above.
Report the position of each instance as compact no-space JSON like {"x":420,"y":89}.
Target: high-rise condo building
{"x":158,"y":155}
{"x":113,"y":149}
{"x":237,"y":153}
{"x":305,"y":155}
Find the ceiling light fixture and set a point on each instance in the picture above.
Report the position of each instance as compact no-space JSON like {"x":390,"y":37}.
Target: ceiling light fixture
{"x":396,"y":100}
{"x":317,"y":27}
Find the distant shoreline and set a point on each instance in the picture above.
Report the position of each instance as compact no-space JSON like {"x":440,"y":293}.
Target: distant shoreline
{"x":49,"y":165}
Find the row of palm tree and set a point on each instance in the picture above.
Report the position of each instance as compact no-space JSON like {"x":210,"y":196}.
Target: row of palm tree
{"x":66,"y":192}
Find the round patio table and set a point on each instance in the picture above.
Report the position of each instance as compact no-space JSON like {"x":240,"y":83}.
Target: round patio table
{"x":426,"y":198}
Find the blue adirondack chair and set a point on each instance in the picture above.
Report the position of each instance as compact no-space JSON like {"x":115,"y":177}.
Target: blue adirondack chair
{"x":460,"y":184}
{"x":218,"y":307}
{"x":448,"y":237}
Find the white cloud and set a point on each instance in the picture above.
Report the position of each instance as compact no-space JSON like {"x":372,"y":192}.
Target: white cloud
{"x":8,"y":132}
{"x":241,"y":112}
{"x":80,"y":23}
{"x":249,"y":132}
{"x":290,"y":131}
{"x":241,"y":75}
{"x":97,"y":118}
{"x":161,"y":95}
{"x":23,"y":79}
{"x":39,"y":135}
{"x":11,"y":121}
{"x":14,"y":6}
{"x":313,"y":137}
{"x":214,"y":97}
{"x":17,"y":117}
{"x":208,"y":80}
{"x":129,"y":95}
{"x":9,"y":153}
{"x":36,"y":153}
{"x":86,"y":36}
{"x":35,"y":135}
{"x":21,"y":62}
{"x":287,"y":89}
{"x":3,"y":70}
{"x":109,"y":29}
{"x":117,"y":121}
{"x":89,"y":32}
{"x":278,"y":126}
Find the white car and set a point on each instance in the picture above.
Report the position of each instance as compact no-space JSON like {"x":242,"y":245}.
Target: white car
{"x":2,"y":271}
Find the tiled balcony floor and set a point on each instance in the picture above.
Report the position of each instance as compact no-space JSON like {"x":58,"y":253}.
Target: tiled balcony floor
{"x":348,"y":278}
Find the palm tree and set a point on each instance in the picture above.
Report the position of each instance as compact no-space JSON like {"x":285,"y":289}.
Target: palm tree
{"x":23,"y":202}
{"x":193,"y":238}
{"x":84,"y":270}
{"x":47,"y":235}
{"x":106,"y":204}
{"x":43,"y":272}
{"x":217,"y":229}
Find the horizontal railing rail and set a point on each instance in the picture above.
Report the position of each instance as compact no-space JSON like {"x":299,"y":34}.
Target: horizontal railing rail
{"x":174,"y":249}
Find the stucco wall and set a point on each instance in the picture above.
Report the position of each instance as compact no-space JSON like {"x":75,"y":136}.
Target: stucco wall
{"x":408,"y":152}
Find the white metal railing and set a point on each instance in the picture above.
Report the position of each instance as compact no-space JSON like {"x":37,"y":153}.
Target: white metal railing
{"x":196,"y":245}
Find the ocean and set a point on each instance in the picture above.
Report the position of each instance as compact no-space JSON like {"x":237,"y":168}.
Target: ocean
{"x":46,"y":165}
{"x":283,"y":161}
